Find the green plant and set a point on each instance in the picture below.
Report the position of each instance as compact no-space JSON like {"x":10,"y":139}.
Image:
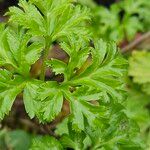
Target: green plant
{"x":139,"y":69}
{"x":121,"y":21}
{"x":137,"y":106}
{"x":16,"y":140}
{"x":138,"y":102}
{"x":93,"y":78}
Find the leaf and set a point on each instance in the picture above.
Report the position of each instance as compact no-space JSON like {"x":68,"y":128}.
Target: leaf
{"x":88,"y":3}
{"x":51,"y":99}
{"x":146,"y":88}
{"x":19,"y":55}
{"x":104,"y":74}
{"x":12,"y":85}
{"x":53,"y":19}
{"x":117,"y":130}
{"x":114,"y":133}
{"x":58,"y":66}
{"x":93,"y":76}
{"x":133,"y":25}
{"x":80,"y":109}
{"x":137,"y":109}
{"x":88,"y":94}
{"x":29,"y":16}
{"x":9,"y":89}
{"x":139,"y":67}
{"x":5,"y":57}
{"x":121,"y":20}
{"x":29,"y":95}
{"x":62,"y":128}
{"x":78,"y":51}
{"x":33,"y":52}
{"x":74,"y":141}
{"x":46,"y":143}
{"x":101,"y":80}
{"x":18,"y":139}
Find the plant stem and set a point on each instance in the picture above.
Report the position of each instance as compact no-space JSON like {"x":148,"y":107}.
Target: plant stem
{"x":45,"y":56}
{"x":136,"y":42}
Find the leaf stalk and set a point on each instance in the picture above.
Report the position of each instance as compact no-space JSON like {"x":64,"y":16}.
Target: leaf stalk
{"x":45,"y":57}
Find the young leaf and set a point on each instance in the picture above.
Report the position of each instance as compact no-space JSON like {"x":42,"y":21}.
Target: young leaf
{"x":46,"y":143}
{"x":53,"y":19}
{"x":29,"y":98}
{"x":103,"y":78}
{"x":51,"y":99}
{"x":73,"y":140}
{"x":139,"y":67}
{"x":19,"y":55}
{"x":80,"y":109}
{"x":58,"y":66}
{"x":9,"y":89}
{"x":105,"y":73}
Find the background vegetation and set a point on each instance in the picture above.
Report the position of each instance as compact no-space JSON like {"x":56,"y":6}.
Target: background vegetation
{"x":127,"y":23}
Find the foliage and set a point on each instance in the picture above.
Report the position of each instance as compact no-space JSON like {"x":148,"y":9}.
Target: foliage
{"x":138,"y":101}
{"x":93,"y":77}
{"x":138,"y":109}
{"x":121,"y":21}
{"x":16,"y":140}
{"x":139,"y":69}
{"x":45,"y":143}
{"x":89,"y":3}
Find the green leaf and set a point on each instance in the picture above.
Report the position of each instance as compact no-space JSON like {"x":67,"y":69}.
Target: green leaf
{"x":19,"y":55}
{"x":58,"y":66}
{"x":51,"y":99}
{"x":9,"y":89}
{"x":106,"y":71}
{"x":89,"y":3}
{"x":146,"y":88}
{"x":74,"y":141}
{"x":29,"y":96}
{"x":80,"y":109}
{"x":78,"y":51}
{"x":62,"y":128}
{"x":33,"y":52}
{"x":45,"y":143}
{"x":116,"y":131}
{"x":133,"y":25}
{"x":54,"y":18}
{"x":139,"y":67}
{"x":18,"y":140}
{"x":93,"y":75}
{"x":110,"y":24}
{"x":136,"y":108}
{"x":5,"y":57}
{"x":101,"y":80}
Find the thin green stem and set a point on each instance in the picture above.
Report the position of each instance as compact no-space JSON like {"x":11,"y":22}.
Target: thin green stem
{"x":45,"y":56}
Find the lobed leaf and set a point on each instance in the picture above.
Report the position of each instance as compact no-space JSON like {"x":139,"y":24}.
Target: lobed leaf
{"x":53,"y":19}
{"x":45,"y":143}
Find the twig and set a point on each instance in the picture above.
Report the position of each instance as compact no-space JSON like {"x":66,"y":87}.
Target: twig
{"x":44,"y":129}
{"x":136,"y":42}
{"x":29,"y":124}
